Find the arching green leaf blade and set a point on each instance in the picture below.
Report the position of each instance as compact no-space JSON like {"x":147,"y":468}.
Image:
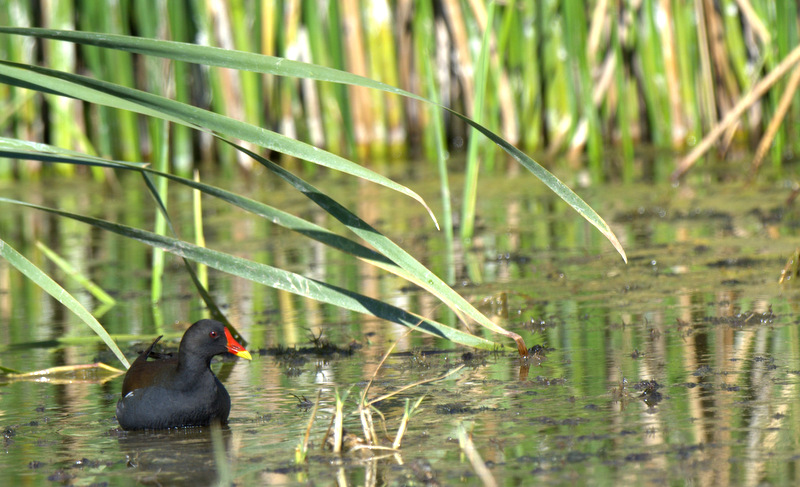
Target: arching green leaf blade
{"x":280,"y":279}
{"x":284,"y":67}
{"x":112,"y":95}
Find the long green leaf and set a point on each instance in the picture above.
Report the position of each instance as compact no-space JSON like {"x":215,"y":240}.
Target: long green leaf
{"x":414,"y":271}
{"x":109,"y":94}
{"x":17,"y":149}
{"x":283,"y":67}
{"x":211,"y":56}
{"x":61,"y":295}
{"x":399,"y":262}
{"x":470,"y":197}
{"x":20,"y":149}
{"x":279,"y":279}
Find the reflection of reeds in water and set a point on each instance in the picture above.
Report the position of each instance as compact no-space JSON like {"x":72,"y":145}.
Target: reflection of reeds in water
{"x":562,"y":76}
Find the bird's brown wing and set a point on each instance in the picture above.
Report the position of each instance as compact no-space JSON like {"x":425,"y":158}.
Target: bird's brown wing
{"x":143,"y":373}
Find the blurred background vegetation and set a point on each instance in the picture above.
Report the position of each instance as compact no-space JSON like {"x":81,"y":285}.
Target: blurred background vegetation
{"x":583,"y":78}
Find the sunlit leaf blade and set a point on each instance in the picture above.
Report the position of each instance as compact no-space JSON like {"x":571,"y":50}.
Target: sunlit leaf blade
{"x":112,"y":95}
{"x":211,"y":56}
{"x":552,"y":182}
{"x":60,"y":294}
{"x":36,"y":149}
{"x":400,"y":262}
{"x":20,"y":149}
{"x":16,"y":149}
{"x":284,"y":67}
{"x":280,"y":279}
{"x":413,"y":270}
{"x":167,"y":49}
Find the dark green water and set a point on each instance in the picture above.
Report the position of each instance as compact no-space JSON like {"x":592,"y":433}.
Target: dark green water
{"x":681,"y":367}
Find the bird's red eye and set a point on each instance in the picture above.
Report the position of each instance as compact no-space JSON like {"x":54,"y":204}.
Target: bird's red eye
{"x":213,"y":334}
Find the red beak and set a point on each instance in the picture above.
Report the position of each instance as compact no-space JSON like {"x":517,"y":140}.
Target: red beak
{"x":235,"y":348}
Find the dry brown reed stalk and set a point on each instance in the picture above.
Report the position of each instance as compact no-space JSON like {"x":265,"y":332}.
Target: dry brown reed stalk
{"x":415,"y":384}
{"x":598,"y":23}
{"x":601,"y":89}
{"x":455,"y":20}
{"x":311,"y":98}
{"x":383,"y":360}
{"x":364,"y":407}
{"x":408,"y":412}
{"x":508,"y":116}
{"x":383,"y":420}
{"x":677,"y":118}
{"x":758,"y":90}
{"x":720,"y":55}
{"x":360,"y":97}
{"x":291,"y":39}
{"x":727,"y":138}
{"x":443,"y":60}
{"x":407,"y":72}
{"x":406,"y":387}
{"x":707,"y":78}
{"x":230,"y":79}
{"x":754,"y":21}
{"x":606,"y":78}
{"x":368,"y":425}
{"x":775,"y":123}
{"x":504,"y":91}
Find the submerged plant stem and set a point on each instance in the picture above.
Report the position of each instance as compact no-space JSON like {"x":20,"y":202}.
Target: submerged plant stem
{"x":468,"y":447}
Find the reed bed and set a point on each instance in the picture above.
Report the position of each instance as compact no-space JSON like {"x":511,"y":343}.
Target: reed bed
{"x":568,"y":76}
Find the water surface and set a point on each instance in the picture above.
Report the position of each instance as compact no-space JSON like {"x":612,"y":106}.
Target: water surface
{"x":680,"y":367}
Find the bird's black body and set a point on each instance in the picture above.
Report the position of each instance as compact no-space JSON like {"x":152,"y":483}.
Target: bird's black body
{"x":179,"y":391}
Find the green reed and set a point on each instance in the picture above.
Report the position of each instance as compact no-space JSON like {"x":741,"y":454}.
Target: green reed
{"x":182,"y":150}
{"x":330,"y":99}
{"x":384,"y":254}
{"x":545,"y":91}
{"x":473,"y":163}
{"x":435,"y":141}
{"x":115,"y":132}
{"x":786,"y":39}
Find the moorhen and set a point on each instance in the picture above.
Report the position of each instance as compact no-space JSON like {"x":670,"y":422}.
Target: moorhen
{"x":179,"y":391}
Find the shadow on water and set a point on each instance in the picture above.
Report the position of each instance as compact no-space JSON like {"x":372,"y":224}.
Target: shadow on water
{"x":681,"y":367}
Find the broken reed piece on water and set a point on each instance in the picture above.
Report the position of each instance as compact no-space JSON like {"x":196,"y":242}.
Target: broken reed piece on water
{"x":791,"y":271}
{"x":66,"y":374}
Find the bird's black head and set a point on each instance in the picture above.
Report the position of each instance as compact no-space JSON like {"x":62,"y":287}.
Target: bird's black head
{"x":207,"y":338}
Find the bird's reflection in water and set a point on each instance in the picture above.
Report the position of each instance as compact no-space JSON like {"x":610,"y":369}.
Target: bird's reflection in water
{"x":178,"y":456}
